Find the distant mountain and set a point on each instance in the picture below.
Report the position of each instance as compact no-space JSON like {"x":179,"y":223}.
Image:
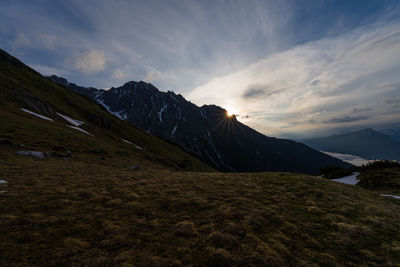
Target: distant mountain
{"x":393,"y":133}
{"x":367,"y":143}
{"x":207,"y":131}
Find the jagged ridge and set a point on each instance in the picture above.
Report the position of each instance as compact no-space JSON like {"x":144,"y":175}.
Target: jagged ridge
{"x":207,"y":132}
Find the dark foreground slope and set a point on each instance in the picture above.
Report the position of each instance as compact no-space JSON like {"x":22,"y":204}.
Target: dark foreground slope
{"x":365,"y":143}
{"x":21,"y":87}
{"x":207,"y":131}
{"x":75,"y":213}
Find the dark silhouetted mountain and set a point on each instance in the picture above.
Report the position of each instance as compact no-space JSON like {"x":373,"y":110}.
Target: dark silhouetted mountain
{"x":366,"y":143}
{"x":207,"y":131}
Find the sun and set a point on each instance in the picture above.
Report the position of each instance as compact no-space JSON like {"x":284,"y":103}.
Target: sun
{"x":230,"y":111}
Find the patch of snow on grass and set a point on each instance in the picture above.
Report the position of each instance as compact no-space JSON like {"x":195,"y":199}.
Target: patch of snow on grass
{"x":351,"y":179}
{"x":37,"y":115}
{"x":387,"y":195}
{"x":79,"y":129}
{"x":128,"y":142}
{"x":138,"y":147}
{"x":70,"y":120}
{"x":36,"y":154}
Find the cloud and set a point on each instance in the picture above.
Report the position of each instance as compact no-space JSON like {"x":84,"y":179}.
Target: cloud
{"x":345,"y":119}
{"x":312,"y":85}
{"x":47,"y":71}
{"x":21,"y":40}
{"x":153,"y":75}
{"x":91,"y":62}
{"x":359,"y":110}
{"x":119,"y":74}
{"x":254,"y":91}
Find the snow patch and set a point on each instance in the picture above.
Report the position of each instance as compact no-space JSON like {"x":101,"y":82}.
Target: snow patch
{"x":128,"y":142}
{"x":351,"y":179}
{"x":174,"y":130}
{"x":161,"y":112}
{"x":173,"y":97}
{"x":36,"y":154}
{"x":70,"y":120}
{"x":79,"y":129}
{"x":3,"y":183}
{"x":387,"y":195}
{"x":37,"y":115}
{"x":203,"y":114}
{"x":117,"y":114}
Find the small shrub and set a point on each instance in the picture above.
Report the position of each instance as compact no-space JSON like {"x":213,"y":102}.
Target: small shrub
{"x":333,"y":172}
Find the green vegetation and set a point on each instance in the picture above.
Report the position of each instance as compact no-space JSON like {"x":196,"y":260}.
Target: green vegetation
{"x":381,"y":176}
{"x":333,"y":172}
{"x":379,"y":165}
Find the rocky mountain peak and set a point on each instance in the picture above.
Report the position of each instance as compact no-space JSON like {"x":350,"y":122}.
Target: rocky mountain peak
{"x":207,"y":132}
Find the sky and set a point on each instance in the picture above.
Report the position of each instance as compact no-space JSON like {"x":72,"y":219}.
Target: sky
{"x":292,"y":69}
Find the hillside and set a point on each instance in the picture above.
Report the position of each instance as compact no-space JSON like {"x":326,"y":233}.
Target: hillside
{"x":21,"y":87}
{"x":207,"y":132}
{"x":83,"y":204}
{"x":366,"y":143}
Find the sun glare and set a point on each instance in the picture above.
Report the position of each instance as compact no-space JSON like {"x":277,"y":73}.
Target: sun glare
{"x":230,"y":111}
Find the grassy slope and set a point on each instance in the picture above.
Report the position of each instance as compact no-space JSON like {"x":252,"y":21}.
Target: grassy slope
{"x":97,"y":213}
{"x":91,"y":209}
{"x":37,"y":134}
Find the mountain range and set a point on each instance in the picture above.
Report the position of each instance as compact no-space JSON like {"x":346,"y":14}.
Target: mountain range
{"x":367,"y":143}
{"x":206,"y":132}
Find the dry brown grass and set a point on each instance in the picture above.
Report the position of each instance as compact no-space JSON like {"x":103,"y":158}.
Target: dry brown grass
{"x":96,"y":212}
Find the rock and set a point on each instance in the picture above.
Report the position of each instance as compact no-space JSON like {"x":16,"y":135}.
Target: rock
{"x":135,"y":167}
{"x":36,"y":154}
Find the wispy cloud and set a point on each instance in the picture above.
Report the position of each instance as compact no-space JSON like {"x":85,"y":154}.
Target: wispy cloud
{"x":315,"y":84}
{"x":345,"y":119}
{"x":90,"y":62}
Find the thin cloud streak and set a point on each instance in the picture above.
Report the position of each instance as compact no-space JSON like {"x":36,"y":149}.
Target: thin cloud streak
{"x":326,"y":80}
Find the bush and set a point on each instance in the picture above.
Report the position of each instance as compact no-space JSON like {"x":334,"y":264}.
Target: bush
{"x":380,"y":164}
{"x":333,"y":172}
